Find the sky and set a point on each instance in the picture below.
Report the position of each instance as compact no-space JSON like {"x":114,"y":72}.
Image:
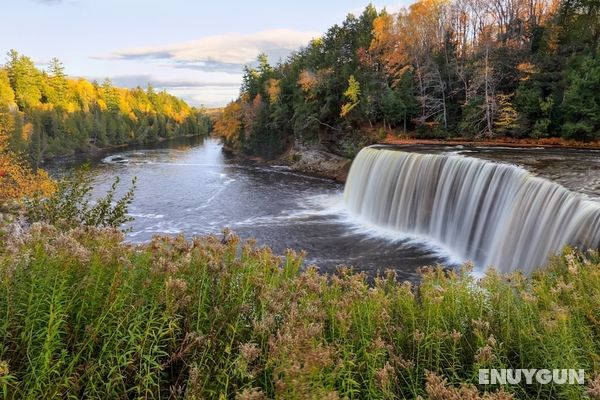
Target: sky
{"x":193,"y":49}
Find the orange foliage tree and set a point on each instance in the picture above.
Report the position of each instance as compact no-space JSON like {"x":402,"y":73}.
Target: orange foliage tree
{"x":17,"y":180}
{"x":228,"y":125}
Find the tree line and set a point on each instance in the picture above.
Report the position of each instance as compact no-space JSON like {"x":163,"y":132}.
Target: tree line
{"x":44,"y":113}
{"x":468,"y":68}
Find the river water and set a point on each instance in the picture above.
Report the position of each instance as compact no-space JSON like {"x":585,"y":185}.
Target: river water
{"x":190,"y":186}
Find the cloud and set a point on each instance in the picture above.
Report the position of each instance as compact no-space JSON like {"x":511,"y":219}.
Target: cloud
{"x":131,"y":81}
{"x":209,"y":96}
{"x":210,"y":91}
{"x":212,"y":66}
{"x":228,"y":53}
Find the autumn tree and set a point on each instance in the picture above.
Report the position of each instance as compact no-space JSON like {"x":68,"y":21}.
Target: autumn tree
{"x":17,"y":180}
{"x":352,"y":94}
{"x":438,"y":68}
{"x":51,"y":114}
{"x":229,"y":123}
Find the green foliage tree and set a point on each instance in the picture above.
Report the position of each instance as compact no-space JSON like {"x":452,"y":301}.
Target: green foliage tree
{"x":581,"y":104}
{"x":25,"y":80}
{"x":399,"y":103}
{"x":57,"y":81}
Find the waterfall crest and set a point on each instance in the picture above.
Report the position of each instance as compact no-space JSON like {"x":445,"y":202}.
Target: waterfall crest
{"x":486,"y":212}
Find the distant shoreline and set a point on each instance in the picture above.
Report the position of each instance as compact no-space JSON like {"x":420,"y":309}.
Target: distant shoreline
{"x":95,"y":152}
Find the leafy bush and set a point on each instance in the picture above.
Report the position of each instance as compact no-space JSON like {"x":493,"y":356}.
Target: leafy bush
{"x":71,"y":205}
{"x":85,"y":315}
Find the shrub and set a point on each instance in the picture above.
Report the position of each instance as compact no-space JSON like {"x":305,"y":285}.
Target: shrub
{"x":71,"y":205}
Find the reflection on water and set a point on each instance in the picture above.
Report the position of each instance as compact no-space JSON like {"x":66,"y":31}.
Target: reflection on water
{"x":190,"y":186}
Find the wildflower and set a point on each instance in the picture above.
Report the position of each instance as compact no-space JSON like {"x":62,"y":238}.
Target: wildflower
{"x":384,"y":376}
{"x":214,"y":266}
{"x":111,"y":234}
{"x":228,"y":236}
{"x":560,"y":313}
{"x":404,"y":364}
{"x":180,"y":244}
{"x":482,"y":326}
{"x":330,"y":396}
{"x":249,"y":351}
{"x":42,"y":229}
{"x":436,"y":387}
{"x":407,"y":290}
{"x":176,"y":286}
{"x":391,"y":275}
{"x":72,"y":247}
{"x":418,"y":336}
{"x":162,"y":265}
{"x":528,"y":297}
{"x":264,"y":325}
{"x":593,"y":387}
{"x":378,"y":344}
{"x":250,"y":394}
{"x":311,"y":280}
{"x":484,"y":354}
{"x":500,"y":395}
{"x":4,"y":369}
{"x":456,"y":336}
{"x":383,"y":315}
{"x":562,"y":287}
{"x":571,"y":263}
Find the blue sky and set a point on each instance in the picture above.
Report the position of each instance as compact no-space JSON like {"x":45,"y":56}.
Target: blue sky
{"x":193,"y":49}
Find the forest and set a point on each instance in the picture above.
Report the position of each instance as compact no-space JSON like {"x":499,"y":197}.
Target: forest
{"x":44,"y":113}
{"x":438,"y":69}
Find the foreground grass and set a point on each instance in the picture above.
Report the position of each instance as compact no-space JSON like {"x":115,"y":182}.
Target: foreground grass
{"x":85,"y":315}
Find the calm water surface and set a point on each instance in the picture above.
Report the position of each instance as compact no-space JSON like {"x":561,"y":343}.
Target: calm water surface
{"x":190,"y":186}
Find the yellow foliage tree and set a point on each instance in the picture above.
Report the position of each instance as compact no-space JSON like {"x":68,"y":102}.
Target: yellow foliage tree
{"x":352,"y":94}
{"x":273,"y":90}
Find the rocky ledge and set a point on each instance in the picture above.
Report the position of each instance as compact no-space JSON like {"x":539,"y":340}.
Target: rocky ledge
{"x":318,"y":162}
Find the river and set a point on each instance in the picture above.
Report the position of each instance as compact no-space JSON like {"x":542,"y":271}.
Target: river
{"x":190,"y":186}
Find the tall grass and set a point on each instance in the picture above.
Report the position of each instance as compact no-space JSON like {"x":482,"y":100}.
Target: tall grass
{"x":85,"y":315}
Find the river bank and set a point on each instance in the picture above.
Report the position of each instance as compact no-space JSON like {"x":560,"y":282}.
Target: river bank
{"x":316,"y":161}
{"x":498,"y":142}
{"x":95,"y":153}
{"x":329,"y":165}
{"x":309,"y":160}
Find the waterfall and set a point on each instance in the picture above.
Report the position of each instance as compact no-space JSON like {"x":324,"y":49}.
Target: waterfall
{"x":489,"y":213}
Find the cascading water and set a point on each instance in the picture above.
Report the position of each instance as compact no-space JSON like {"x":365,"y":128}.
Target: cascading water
{"x":485,"y":212}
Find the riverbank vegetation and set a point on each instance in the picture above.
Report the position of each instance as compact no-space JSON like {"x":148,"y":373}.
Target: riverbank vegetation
{"x":461,"y":68}
{"x":84,"y":314}
{"x":44,"y":113}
